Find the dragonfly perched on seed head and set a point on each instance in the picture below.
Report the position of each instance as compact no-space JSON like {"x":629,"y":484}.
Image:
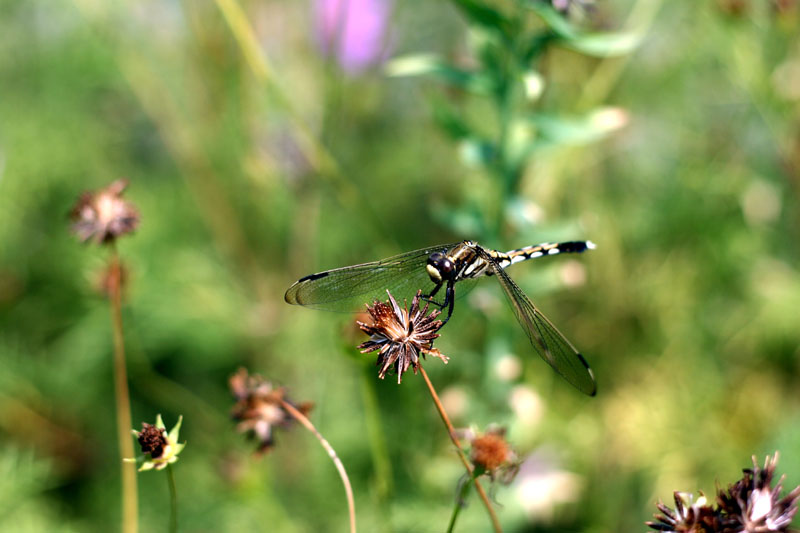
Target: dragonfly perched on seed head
{"x":438,"y":270}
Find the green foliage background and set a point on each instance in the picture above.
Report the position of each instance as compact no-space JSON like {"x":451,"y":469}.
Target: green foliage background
{"x":688,"y":314}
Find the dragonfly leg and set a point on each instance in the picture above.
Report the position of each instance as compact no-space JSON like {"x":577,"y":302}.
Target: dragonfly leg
{"x":449,"y":301}
{"x":429,"y":297}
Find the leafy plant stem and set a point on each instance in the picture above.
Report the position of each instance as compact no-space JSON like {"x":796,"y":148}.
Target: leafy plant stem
{"x":300,"y":417}
{"x":452,"y":432}
{"x":122,"y":397}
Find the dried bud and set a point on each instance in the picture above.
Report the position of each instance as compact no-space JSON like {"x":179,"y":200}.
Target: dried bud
{"x":161,"y":446}
{"x":259,"y":407}
{"x":491,"y":454}
{"x":750,"y":505}
{"x":103,"y":215}
{"x":152,"y":440}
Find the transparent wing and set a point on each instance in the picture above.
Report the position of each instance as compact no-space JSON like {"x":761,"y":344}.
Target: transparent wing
{"x":548,"y":342}
{"x":349,"y":288}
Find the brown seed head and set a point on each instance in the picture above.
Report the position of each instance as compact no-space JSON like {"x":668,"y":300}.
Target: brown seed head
{"x":752,"y":504}
{"x":401,"y":335}
{"x":689,"y":516}
{"x":491,"y":453}
{"x":152,"y":440}
{"x":103,"y":215}
{"x":259,"y":407}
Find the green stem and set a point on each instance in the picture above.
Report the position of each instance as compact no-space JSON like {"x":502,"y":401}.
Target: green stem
{"x":122,"y":396}
{"x":173,"y":501}
{"x":460,"y":501}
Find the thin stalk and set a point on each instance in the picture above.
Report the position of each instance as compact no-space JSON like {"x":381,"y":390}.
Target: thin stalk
{"x":462,"y":496}
{"x":452,"y":432}
{"x":173,"y":501}
{"x":123,"y":404}
{"x":348,"y":490}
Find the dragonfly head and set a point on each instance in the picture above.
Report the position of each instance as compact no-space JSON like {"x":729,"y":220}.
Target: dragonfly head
{"x":440,"y":267}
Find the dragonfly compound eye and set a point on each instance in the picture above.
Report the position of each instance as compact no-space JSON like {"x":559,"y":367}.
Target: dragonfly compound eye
{"x":440,"y":267}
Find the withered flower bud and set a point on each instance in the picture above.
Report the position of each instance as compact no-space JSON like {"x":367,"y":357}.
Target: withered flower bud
{"x":103,"y":215}
{"x":152,"y":440}
{"x":159,"y":446}
{"x":750,"y":505}
{"x":491,"y":454}
{"x":259,"y":407}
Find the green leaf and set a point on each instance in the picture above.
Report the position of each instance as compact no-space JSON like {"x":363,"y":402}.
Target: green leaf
{"x":431,"y":65}
{"x":604,"y":44}
{"x":594,"y":44}
{"x":553,"y":19}
{"x":554,"y":129}
{"x":477,"y":152}
{"x":481,"y":14}
{"x":450,"y":120}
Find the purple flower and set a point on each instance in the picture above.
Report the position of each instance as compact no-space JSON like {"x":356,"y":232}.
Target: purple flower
{"x":353,"y":31}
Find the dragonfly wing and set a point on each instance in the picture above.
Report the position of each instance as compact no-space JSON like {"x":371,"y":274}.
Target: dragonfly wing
{"x":349,"y":288}
{"x":548,"y":342}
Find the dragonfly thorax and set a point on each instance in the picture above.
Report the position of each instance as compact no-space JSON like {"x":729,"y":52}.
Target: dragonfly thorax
{"x":440,"y":267}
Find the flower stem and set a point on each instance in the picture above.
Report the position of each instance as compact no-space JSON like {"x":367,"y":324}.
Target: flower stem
{"x":462,"y":496}
{"x":123,"y":404}
{"x":348,"y":490}
{"x":452,"y":432}
{"x":173,"y":501}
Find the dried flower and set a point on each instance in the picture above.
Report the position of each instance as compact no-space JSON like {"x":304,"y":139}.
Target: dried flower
{"x":161,"y":446}
{"x":750,"y":505}
{"x":688,"y":516}
{"x":103,"y":215}
{"x":259,"y":407}
{"x":401,"y":335}
{"x":491,"y":454}
{"x":753,"y":505}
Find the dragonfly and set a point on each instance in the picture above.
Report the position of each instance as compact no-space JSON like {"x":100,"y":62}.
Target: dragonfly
{"x":439,"y":270}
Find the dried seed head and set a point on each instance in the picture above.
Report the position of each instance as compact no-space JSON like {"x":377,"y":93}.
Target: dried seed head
{"x":259,"y":408}
{"x":103,"y":215}
{"x":490,"y":453}
{"x":400,"y":335}
{"x":161,"y":446}
{"x":688,"y":515}
{"x":152,"y":440}
{"x":750,"y":505}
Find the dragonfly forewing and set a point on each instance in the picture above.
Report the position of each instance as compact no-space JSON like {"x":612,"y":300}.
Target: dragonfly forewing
{"x":349,"y":288}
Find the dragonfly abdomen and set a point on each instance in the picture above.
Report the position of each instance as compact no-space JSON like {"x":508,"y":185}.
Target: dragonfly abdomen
{"x":539,"y":250}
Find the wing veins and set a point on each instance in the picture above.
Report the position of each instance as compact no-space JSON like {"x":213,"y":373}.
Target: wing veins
{"x":346,"y":288}
{"x":549,"y":343}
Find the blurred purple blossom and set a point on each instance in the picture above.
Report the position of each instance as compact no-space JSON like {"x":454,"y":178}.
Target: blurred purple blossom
{"x":354,"y":31}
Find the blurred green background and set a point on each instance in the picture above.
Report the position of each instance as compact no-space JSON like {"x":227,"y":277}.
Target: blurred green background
{"x":249,"y":175}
